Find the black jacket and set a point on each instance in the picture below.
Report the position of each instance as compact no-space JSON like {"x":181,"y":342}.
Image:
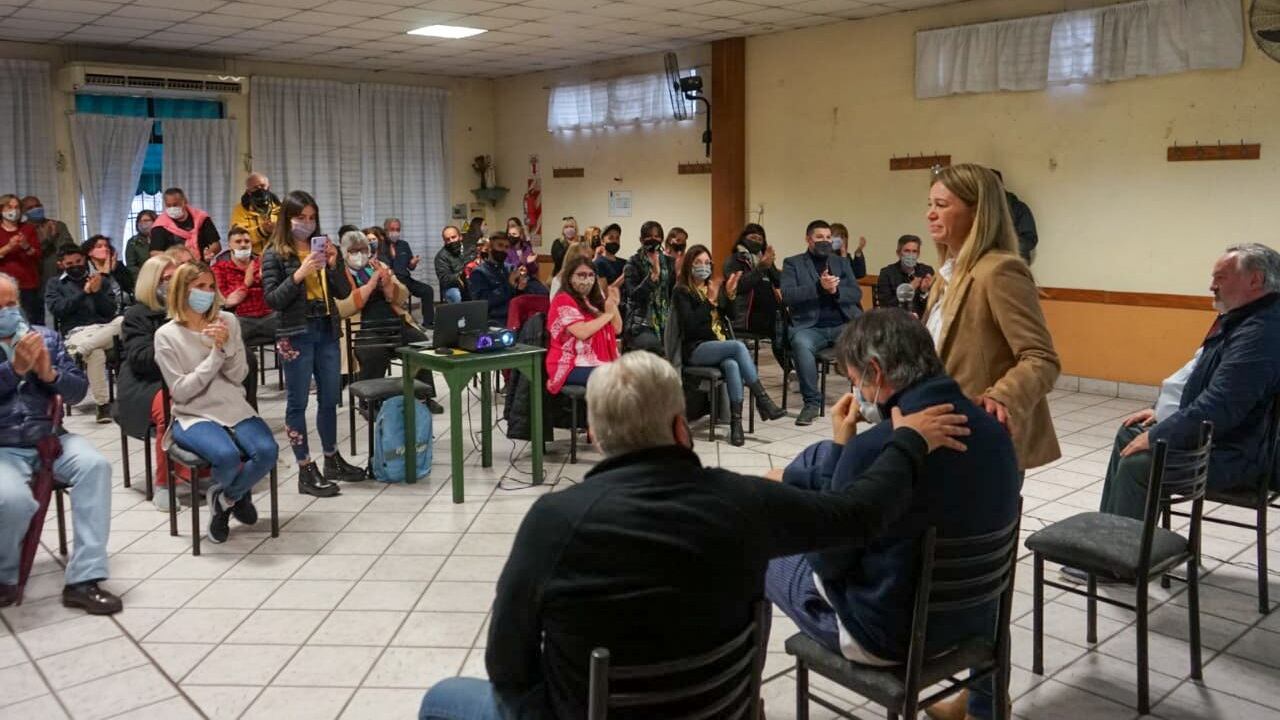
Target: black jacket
{"x":694,"y":315}
{"x":638,"y":290}
{"x":891,"y":276}
{"x":755,"y":306}
{"x":140,"y":377}
{"x":655,"y":557}
{"x":289,"y":299}
{"x":449,"y":269}
{"x":1024,"y":223}
{"x":518,"y":408}
{"x":74,"y":308}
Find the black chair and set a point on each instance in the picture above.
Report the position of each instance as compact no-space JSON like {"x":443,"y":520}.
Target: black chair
{"x":707,"y":379}
{"x":179,"y":456}
{"x":262,"y":364}
{"x":367,"y":396}
{"x":577,"y":395}
{"x":955,"y":574}
{"x":1261,"y":496}
{"x":826,"y":358}
{"x":1131,"y":551}
{"x":721,"y":684}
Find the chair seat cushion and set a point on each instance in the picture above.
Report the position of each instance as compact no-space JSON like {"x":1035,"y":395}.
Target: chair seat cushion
{"x":1106,"y":544}
{"x":826,"y":355}
{"x":886,"y":685}
{"x":380,"y":389}
{"x":185,"y":457}
{"x":575,"y":392}
{"x":700,"y":372}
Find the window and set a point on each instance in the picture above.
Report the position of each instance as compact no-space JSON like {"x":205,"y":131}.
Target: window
{"x":1072,"y":56}
{"x":147,"y":196}
{"x":630,"y":100}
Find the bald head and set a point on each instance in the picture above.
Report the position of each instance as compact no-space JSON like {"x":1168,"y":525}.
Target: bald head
{"x":8,"y":290}
{"x":256,"y":181}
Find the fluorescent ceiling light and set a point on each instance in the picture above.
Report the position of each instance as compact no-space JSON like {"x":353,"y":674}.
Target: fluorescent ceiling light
{"x":453,"y":32}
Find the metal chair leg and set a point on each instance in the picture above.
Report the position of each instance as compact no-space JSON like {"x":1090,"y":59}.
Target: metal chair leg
{"x":1166,"y":523}
{"x":195,"y":511}
{"x":1144,"y":688}
{"x":172,"y":487}
{"x":124,"y":457}
{"x":146,"y":460}
{"x":573,"y":431}
{"x":1264,"y":600}
{"x":1091,"y":614}
{"x":715,"y":400}
{"x":822,"y":383}
{"x":802,"y":691}
{"x":62,"y":522}
{"x":1037,"y":620}
{"x":1193,"y":615}
{"x":275,"y":503}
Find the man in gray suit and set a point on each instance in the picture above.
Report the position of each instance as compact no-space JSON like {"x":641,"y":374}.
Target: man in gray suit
{"x":822,"y":294}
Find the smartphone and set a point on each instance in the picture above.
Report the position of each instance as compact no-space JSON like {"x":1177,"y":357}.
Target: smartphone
{"x":317,"y":243}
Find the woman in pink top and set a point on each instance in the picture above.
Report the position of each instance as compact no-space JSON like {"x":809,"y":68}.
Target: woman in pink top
{"x":583,"y":324}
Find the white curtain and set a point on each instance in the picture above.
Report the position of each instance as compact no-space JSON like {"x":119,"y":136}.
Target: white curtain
{"x":1117,"y":42}
{"x":26,"y":113}
{"x":629,"y":100}
{"x":200,"y":158}
{"x":403,"y":151}
{"x":306,"y":136}
{"x":109,"y":151}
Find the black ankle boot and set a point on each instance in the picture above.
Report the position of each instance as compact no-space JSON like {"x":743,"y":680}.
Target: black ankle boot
{"x":337,"y":469}
{"x":764,"y":404}
{"x":311,"y":482}
{"x":736,"y":437}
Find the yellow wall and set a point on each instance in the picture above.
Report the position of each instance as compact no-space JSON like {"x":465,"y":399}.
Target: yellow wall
{"x":1128,"y":344}
{"x":827,"y":108}
{"x":643,"y":159}
{"x":470,"y":105}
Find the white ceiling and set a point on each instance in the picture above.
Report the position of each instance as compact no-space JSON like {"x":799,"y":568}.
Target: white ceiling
{"x":523,"y":36}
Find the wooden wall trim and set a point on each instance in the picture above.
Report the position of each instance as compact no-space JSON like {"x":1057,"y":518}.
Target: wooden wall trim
{"x":1108,"y":297}
{"x":728,"y":143}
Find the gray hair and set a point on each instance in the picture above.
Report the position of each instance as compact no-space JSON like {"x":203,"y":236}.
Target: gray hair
{"x":390,"y":220}
{"x":352,"y":238}
{"x":894,"y":339}
{"x":633,"y":402}
{"x":6,"y":277}
{"x":1256,"y":257}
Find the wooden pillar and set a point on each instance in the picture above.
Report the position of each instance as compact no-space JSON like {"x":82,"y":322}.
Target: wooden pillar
{"x":728,"y":144}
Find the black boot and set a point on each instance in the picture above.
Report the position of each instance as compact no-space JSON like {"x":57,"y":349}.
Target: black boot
{"x":311,"y":482}
{"x":764,"y":404}
{"x":337,"y":469}
{"x":736,"y":437}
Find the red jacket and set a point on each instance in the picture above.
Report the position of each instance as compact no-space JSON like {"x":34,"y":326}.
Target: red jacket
{"x":23,"y":265}
{"x":230,"y":278}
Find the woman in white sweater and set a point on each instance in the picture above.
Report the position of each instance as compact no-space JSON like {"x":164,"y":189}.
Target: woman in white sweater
{"x":202,"y":357}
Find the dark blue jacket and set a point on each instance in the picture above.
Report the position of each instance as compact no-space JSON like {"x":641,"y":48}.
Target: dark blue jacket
{"x":74,"y":308}
{"x":1232,"y":386}
{"x":24,"y":401}
{"x":801,"y":289}
{"x":490,"y":283}
{"x":872,"y":587}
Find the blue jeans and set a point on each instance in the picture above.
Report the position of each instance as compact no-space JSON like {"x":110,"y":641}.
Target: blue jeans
{"x":804,"y":343}
{"x":250,"y":439}
{"x":579,"y":376}
{"x":460,"y":698}
{"x":734,"y":361}
{"x":453,"y":295}
{"x":89,"y":474}
{"x":314,"y":353}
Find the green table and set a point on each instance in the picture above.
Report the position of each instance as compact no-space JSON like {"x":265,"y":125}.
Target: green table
{"x":458,"y":369}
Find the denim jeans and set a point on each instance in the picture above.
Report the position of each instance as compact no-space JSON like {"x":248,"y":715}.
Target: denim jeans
{"x":734,"y":361}
{"x":804,"y":343}
{"x":579,"y":376}
{"x":250,"y":439}
{"x":314,"y":353}
{"x":460,"y":698}
{"x":453,"y":295}
{"x":89,"y":474}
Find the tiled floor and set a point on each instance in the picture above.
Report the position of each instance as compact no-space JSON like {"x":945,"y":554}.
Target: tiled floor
{"x":367,"y":599}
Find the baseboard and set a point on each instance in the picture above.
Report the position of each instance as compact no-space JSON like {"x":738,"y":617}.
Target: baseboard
{"x":1107,"y":388}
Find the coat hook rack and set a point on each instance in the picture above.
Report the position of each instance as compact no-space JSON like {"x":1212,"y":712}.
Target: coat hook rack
{"x":568,"y":172}
{"x":694,"y":168}
{"x":1198,"y":152}
{"x":919,"y":162}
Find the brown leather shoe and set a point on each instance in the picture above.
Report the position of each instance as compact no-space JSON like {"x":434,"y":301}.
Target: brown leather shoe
{"x":8,"y":595}
{"x":953,"y":708}
{"x":91,"y":598}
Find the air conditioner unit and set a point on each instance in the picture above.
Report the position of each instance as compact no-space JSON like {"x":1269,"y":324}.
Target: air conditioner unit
{"x":135,"y":80}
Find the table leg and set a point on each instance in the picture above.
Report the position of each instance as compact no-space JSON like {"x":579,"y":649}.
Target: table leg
{"x":535,"y":409}
{"x":486,"y":420}
{"x":457,"y":386}
{"x":410,"y":426}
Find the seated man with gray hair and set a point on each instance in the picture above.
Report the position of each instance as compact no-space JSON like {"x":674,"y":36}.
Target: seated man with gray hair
{"x":654,"y":556}
{"x":1231,"y":381}
{"x":857,"y":599}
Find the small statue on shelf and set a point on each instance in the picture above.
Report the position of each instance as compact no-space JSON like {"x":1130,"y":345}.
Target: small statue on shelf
{"x":485,"y":168}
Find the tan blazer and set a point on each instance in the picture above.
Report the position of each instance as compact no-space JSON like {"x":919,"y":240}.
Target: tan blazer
{"x":995,"y":342}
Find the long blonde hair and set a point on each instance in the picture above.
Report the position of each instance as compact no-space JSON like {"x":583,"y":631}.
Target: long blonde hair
{"x":992,"y":229}
{"x":149,"y":278}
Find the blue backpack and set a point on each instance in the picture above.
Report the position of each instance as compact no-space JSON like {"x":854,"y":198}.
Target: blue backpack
{"x":388,"y":440}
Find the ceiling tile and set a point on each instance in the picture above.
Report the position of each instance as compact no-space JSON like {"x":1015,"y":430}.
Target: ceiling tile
{"x":229,"y":21}
{"x":566,"y":5}
{"x":102,"y":36}
{"x":865,"y":11}
{"x":536,"y":28}
{"x":299,"y":26}
{"x":41,"y":25}
{"x":771,"y":15}
{"x":391,"y":26}
{"x":143,"y":23}
{"x":84,"y":6}
{"x":623,"y":10}
{"x":358,"y":9}
{"x":521,"y":12}
{"x":254,"y":10}
{"x":666,"y":4}
{"x":198,"y":27}
{"x":27,"y":35}
{"x":466,"y":7}
{"x":197,"y":5}
{"x":299,"y":4}
{"x":153,"y":13}
{"x":329,"y":19}
{"x":420,"y":17}
{"x":724,"y":8}
{"x":823,"y":7}
{"x":56,"y":16}
{"x":351,"y":35}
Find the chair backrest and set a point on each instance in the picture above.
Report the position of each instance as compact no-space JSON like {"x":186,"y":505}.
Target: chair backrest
{"x":962,"y":574}
{"x":673,"y":340}
{"x":1269,"y":481}
{"x":371,"y":335}
{"x":1177,"y":477}
{"x":722,"y":683}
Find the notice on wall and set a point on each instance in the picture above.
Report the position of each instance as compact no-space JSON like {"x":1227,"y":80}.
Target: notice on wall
{"x":619,"y":203}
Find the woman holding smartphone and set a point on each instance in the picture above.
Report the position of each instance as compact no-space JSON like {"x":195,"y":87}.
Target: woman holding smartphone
{"x":295,"y":285}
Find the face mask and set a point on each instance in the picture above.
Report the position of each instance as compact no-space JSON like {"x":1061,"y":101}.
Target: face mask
{"x":100,"y":253}
{"x":821,"y":249}
{"x":702,"y":272}
{"x":200,"y":300}
{"x":260,"y":196}
{"x":144,"y":228}
{"x":10,"y":320}
{"x":676,"y":249}
{"x":393,"y":236}
{"x":77,"y":272}
{"x":162,"y":292}
{"x":19,"y":331}
{"x":570,"y":233}
{"x":870,"y":411}
{"x":12,"y":215}
{"x":837,"y":242}
{"x":454,"y":248}
{"x":612,"y":248}
{"x":909,"y":260}
{"x":582,"y":286}
{"x":302,"y":229}
{"x":36,"y":214}
{"x":650,"y":245}
{"x":753,"y":247}
{"x":357,"y":261}
{"x":242,"y":253}
{"x":498,"y":256}
{"x":175,"y":213}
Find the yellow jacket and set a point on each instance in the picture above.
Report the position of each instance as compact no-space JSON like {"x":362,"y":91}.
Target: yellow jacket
{"x":255,"y":222}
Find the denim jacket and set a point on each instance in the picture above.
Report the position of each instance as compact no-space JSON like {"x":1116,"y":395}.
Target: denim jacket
{"x":24,"y":400}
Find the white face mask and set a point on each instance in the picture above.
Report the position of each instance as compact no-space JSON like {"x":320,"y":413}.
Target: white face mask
{"x":12,"y":215}
{"x":869,"y":411}
{"x":175,"y":213}
{"x":393,"y":235}
{"x":242,"y":253}
{"x":357,"y":261}
{"x":570,"y":233}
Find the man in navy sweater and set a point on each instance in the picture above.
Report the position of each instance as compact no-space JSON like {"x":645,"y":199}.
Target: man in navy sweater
{"x":857,"y":599}
{"x":496,"y":283}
